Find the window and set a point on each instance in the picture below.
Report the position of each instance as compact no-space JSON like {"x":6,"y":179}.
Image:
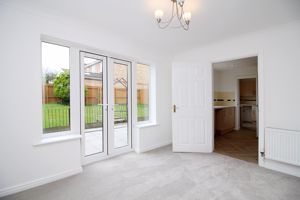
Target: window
{"x":56,"y":88}
{"x":143,"y":74}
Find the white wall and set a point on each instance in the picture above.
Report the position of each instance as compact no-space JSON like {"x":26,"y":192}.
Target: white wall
{"x":151,"y":137}
{"x":278,"y":56}
{"x":22,"y":164}
{"x":225,"y":80}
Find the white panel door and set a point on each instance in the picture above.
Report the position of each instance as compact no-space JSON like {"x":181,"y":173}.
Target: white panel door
{"x":192,"y":108}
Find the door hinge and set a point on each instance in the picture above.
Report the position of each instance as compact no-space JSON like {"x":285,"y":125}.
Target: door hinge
{"x":174,"y":108}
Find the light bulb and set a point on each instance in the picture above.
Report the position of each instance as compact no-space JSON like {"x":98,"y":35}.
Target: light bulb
{"x":187,"y":16}
{"x":180,"y":2}
{"x":158,"y":15}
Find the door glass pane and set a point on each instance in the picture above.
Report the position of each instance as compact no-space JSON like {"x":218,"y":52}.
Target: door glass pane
{"x":93,"y":102}
{"x":56,"y":88}
{"x":120,"y":77}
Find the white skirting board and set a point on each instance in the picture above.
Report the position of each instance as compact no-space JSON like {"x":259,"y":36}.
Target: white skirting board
{"x":38,"y":182}
{"x":145,"y":149}
{"x":281,"y":167}
{"x":282,"y":145}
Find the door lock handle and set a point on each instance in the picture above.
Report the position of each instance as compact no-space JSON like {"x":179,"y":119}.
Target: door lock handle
{"x":174,"y":108}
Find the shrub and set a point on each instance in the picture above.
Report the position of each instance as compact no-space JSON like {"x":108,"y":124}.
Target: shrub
{"x":61,"y":87}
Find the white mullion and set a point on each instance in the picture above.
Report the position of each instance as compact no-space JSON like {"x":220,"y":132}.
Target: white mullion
{"x":129,"y":104}
{"x":105,"y":106}
{"x":134,"y":108}
{"x":152,"y":95}
{"x":110,"y":93}
{"x":82,"y":106}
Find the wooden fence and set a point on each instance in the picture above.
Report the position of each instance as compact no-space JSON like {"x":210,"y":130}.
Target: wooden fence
{"x":93,"y":95}
{"x":48,"y":95}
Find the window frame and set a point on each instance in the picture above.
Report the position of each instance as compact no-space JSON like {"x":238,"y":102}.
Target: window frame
{"x":152,"y":95}
{"x":73,"y":74}
{"x":75,"y":89}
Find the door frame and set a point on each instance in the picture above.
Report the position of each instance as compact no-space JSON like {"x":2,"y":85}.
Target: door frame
{"x":108,"y":109}
{"x":261,"y":92}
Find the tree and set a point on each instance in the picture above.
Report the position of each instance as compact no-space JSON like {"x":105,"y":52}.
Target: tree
{"x":61,"y":86}
{"x":49,"y":77}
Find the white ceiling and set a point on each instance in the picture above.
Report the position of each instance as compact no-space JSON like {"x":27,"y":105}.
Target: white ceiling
{"x":228,"y":65}
{"x":212,"y":20}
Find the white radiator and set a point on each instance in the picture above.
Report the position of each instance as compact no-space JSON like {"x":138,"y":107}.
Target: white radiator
{"x":282,"y":145}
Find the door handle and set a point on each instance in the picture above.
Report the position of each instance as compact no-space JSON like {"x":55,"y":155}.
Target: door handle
{"x":174,"y":108}
{"x":105,"y":106}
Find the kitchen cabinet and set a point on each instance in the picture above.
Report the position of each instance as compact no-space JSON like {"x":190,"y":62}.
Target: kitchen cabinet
{"x":224,"y":119}
{"x":248,"y":87}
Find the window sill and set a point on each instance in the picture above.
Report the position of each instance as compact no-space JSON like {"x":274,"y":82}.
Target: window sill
{"x":51,"y":140}
{"x":147,"y":125}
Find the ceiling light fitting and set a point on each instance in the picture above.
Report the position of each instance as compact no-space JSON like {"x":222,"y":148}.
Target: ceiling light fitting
{"x":183,"y":17}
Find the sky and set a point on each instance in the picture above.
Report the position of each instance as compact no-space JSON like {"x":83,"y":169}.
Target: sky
{"x":54,"y":58}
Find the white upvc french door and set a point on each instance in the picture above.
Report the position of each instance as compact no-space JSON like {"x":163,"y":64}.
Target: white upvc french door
{"x":119,"y":108}
{"x":93,"y":106}
{"x":105,"y":106}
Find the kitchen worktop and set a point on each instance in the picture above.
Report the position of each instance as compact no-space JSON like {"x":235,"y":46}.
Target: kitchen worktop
{"x":221,"y":107}
{"x":249,"y":105}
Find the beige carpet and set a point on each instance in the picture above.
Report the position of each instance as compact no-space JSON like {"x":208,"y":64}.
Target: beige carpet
{"x":161,"y":174}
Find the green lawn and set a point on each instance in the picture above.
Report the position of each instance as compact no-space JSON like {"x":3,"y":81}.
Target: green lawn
{"x":143,"y":112}
{"x":56,"y":116}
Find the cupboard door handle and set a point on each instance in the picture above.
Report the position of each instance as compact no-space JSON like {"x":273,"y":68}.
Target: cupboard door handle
{"x":174,"y":108}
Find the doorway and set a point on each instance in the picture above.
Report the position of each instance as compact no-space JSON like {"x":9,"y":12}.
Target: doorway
{"x":236,"y":108}
{"x":105,"y":106}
